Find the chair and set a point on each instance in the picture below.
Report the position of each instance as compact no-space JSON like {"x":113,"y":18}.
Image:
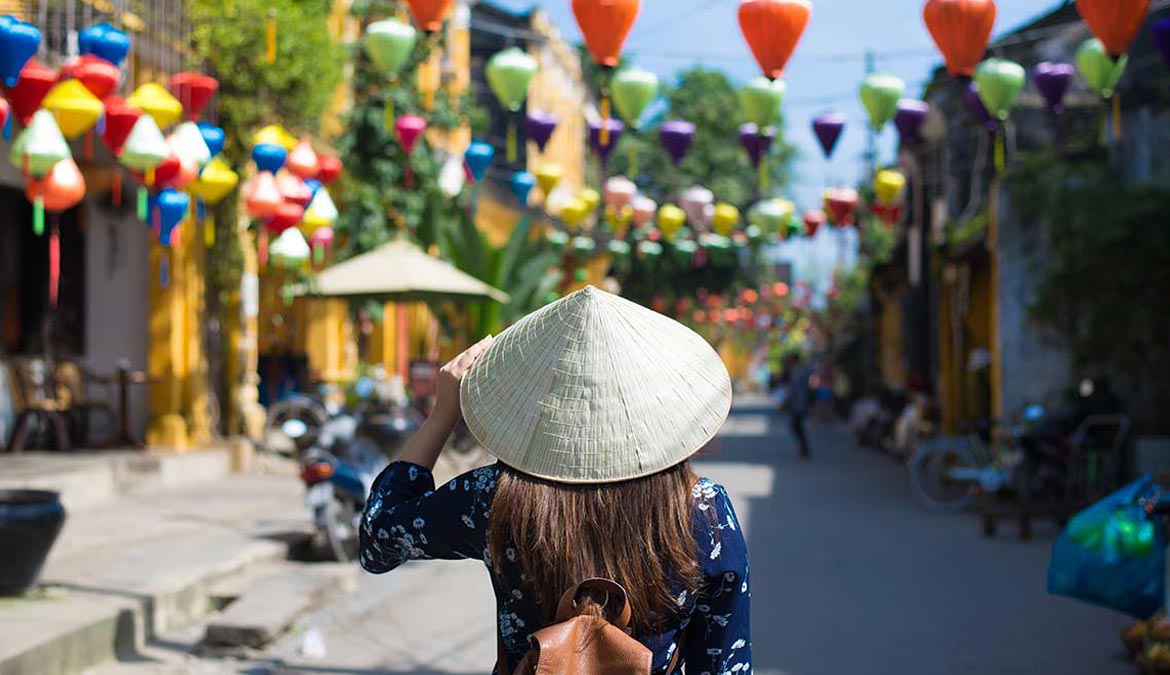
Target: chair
{"x":72,"y":383}
{"x":37,"y":401}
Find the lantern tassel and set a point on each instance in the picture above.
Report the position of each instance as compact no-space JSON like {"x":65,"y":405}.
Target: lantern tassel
{"x":511,"y":142}
{"x":116,"y":188}
{"x":388,"y":116}
{"x":8,"y":127}
{"x":603,"y":135}
{"x":38,"y":216}
{"x":1117,"y":116}
{"x":1000,"y":152}
{"x":270,"y":38}
{"x":209,"y":232}
{"x":262,"y":247}
{"x":164,"y":269}
{"x":54,"y":263}
{"x":762,"y":176}
{"x":633,"y":160}
{"x":318,"y":254}
{"x":88,"y":145}
{"x":143,"y":199}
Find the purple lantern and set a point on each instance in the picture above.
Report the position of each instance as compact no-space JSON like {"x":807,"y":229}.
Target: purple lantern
{"x":1160,"y":33}
{"x":615,"y":128}
{"x":828,"y":127}
{"x":676,"y":137}
{"x":756,"y":144}
{"x":539,"y":127}
{"x":1052,"y":79}
{"x":976,"y":108}
{"x":909,"y":119}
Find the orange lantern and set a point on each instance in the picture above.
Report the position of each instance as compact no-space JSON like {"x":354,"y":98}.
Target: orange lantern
{"x":605,"y":25}
{"x":961,"y":29}
{"x":62,"y":188}
{"x":772,"y":28}
{"x":1114,"y":22}
{"x":429,"y":14}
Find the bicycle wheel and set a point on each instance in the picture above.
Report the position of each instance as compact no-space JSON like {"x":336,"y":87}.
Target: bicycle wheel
{"x":940,"y":474}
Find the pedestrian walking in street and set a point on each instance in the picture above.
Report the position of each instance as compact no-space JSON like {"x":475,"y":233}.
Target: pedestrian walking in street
{"x":798,"y":399}
{"x":593,"y":406}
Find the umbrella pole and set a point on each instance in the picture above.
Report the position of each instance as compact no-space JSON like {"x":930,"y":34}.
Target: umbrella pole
{"x":403,"y":347}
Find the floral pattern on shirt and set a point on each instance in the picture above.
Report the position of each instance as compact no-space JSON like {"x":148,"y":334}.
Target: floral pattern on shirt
{"x":407,"y":518}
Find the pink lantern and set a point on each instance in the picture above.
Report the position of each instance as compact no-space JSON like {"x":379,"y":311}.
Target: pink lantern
{"x":410,"y":128}
{"x":293,"y":189}
{"x":320,"y":240}
{"x":263,"y":197}
{"x":644,"y":211}
{"x":303,"y":161}
{"x":619,"y":191}
{"x":695,"y":202}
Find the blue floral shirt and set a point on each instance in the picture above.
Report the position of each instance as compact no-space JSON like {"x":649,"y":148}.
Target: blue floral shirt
{"x":407,"y":518}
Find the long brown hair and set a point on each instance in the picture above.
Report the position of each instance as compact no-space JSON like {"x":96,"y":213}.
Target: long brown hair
{"x":638,"y":533}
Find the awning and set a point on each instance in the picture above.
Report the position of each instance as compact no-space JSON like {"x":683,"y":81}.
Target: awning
{"x":397,"y":271}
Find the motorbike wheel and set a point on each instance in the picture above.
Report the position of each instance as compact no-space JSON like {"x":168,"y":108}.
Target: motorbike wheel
{"x":302,"y":408}
{"x":340,"y":519}
{"x":929,"y":471}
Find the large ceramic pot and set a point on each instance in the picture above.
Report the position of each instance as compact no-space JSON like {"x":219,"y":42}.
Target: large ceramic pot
{"x":30,"y":521}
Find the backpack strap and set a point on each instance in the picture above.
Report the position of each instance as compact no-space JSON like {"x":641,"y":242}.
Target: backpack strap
{"x":614,"y":595}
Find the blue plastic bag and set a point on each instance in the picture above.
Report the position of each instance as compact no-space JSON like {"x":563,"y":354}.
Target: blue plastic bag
{"x":1113,"y":554}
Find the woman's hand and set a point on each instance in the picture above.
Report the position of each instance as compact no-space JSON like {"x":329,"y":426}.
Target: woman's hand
{"x":447,"y":388}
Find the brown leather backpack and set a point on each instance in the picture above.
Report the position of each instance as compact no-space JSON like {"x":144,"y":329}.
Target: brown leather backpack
{"x":575,"y":644}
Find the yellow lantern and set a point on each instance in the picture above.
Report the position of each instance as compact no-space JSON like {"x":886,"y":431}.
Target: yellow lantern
{"x":670,"y":220}
{"x":591,"y":198}
{"x":575,"y":212}
{"x":725,"y":219}
{"x":276,"y":135}
{"x":74,"y":107}
{"x":888,"y":186}
{"x":154,"y":100}
{"x":216,"y":181}
{"x":547,"y":177}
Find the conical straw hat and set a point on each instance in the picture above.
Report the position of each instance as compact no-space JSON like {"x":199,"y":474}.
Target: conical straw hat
{"x":596,"y":389}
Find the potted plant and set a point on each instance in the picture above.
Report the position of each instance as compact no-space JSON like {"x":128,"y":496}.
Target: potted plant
{"x":30,"y":521}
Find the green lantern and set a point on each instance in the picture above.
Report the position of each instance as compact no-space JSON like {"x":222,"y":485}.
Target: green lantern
{"x":1000,"y":82}
{"x":760,"y":101}
{"x":508,"y":74}
{"x":40,"y":145}
{"x":557,"y":240}
{"x":620,"y":250}
{"x":632,"y":90}
{"x":879,"y":95}
{"x":389,"y":43}
{"x":1100,"y":71}
{"x":583,"y":246}
{"x":771,"y":216}
{"x":684,"y":250}
{"x":649,"y":250}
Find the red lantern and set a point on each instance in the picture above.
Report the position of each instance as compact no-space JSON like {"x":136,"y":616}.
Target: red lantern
{"x":194,"y":91}
{"x":36,"y":79}
{"x":263,"y":198}
{"x":772,"y":28}
{"x":1114,"y":22}
{"x":286,"y":215}
{"x":699,"y":316}
{"x":96,"y":74}
{"x":163,"y":176}
{"x":293,"y":189}
{"x":812,"y":222}
{"x":842,"y":206}
{"x":429,"y":14}
{"x":329,"y":169}
{"x":749,"y":296}
{"x":605,"y":24}
{"x":961,"y":29}
{"x":120,"y":119}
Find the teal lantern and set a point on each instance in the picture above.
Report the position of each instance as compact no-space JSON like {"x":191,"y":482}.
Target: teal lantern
{"x":879,"y":95}
{"x":508,"y":74}
{"x":760,"y":101}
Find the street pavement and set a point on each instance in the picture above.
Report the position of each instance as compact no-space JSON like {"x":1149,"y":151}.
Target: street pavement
{"x":848,"y":576}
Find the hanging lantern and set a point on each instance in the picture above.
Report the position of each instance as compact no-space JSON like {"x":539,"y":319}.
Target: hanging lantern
{"x":30,"y":89}
{"x":410,"y":129}
{"x":321,"y":212}
{"x":961,"y":30}
{"x":75,"y":109}
{"x":760,"y":101}
{"x":619,"y":191}
{"x":539,"y":127}
{"x":772,"y":215}
{"x":429,"y":14}
{"x":1114,"y":22}
{"x":590,"y":197}
{"x":39,"y":146}
{"x":290,"y":250}
{"x":547,"y":177}
{"x":888,"y":186}
{"x":880,"y":94}
{"x":684,"y":249}
{"x":293,"y":189}
{"x":263,"y":197}
{"x":509,"y":73}
{"x":1100,"y":71}
{"x":670,"y":220}
{"x":171,"y":208}
{"x":694,"y":202}
{"x":975,"y":107}
{"x":19,"y":41}
{"x":187,"y":141}
{"x":1000,"y":82}
{"x":1052,"y":81}
{"x":269,"y":157}
{"x":60,"y":189}
{"x":757,"y":144}
{"x":605,"y":24}
{"x":120,"y":120}
{"x":604,"y":143}
{"x":772,"y":28}
{"x":676,"y":137}
{"x":521,"y":186}
{"x":216,"y":181}
{"x":828,"y":127}
{"x":213,"y":136}
{"x":649,"y":250}
{"x":620,"y":250}
{"x":285,"y":216}
{"x":193,"y":91}
{"x":813,"y":219}
{"x":186,"y":172}
{"x":389,"y":44}
{"x":302,"y":161}
{"x":841,"y":205}
{"x":575,"y":212}
{"x":725,"y":219}
{"x":329,"y":169}
{"x":98,"y":76}
{"x":275,"y":134}
{"x":105,"y":42}
{"x":644,"y":210}
{"x":144,"y":147}
{"x":909,"y":119}
{"x":478,"y":158}
{"x":321,"y":240}
{"x":156,"y":101}
{"x":633,"y":89}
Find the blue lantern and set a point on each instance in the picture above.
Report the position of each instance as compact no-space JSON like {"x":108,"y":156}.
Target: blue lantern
{"x":313,"y":184}
{"x":213,"y":136}
{"x":522,"y":184}
{"x":478,"y":157}
{"x":172,"y":207}
{"x":269,"y":156}
{"x":19,"y":41}
{"x":105,"y":42}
